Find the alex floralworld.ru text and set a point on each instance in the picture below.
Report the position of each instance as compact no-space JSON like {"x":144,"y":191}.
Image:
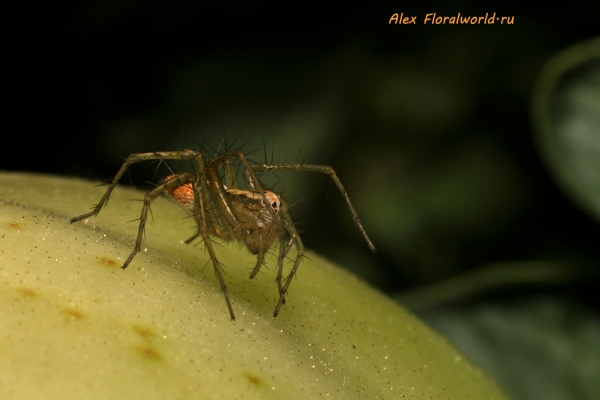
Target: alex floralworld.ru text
{"x":434,"y":19}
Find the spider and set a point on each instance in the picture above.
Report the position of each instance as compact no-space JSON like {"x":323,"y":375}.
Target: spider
{"x":253,"y":216}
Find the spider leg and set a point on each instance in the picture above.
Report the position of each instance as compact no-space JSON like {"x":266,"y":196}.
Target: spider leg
{"x":288,"y":279}
{"x":248,"y":180}
{"x":200,"y":217}
{"x":209,"y":211}
{"x":132,"y":159}
{"x":148,"y":198}
{"x":283,"y":251}
{"x":191,"y":239}
{"x":210,"y":207}
{"x":229,"y":180}
{"x":325,"y":169}
{"x":294,"y":238}
{"x":222,"y":202}
{"x":260,"y":260}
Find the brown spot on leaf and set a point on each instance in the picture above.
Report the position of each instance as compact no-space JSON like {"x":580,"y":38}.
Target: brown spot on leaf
{"x":72,"y":313}
{"x":253,"y":379}
{"x":107,"y":261}
{"x":26,"y":292}
{"x":148,"y":352}
{"x":143,"y":331}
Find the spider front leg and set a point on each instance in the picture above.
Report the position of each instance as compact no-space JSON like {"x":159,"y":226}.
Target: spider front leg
{"x":200,"y":198}
{"x":284,"y":249}
{"x":204,"y":198}
{"x":260,"y":261}
{"x":325,"y":169}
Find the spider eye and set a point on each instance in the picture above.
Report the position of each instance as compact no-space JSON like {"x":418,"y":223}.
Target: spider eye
{"x":274,"y":205}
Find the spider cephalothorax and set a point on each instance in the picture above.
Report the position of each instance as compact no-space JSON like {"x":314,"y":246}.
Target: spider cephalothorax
{"x":254,"y":216}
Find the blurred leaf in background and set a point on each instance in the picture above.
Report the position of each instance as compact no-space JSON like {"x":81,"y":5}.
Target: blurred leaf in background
{"x":536,"y":348}
{"x":566,"y":112}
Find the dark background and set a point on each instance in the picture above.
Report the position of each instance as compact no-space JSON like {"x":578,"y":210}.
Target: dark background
{"x":428,"y":126}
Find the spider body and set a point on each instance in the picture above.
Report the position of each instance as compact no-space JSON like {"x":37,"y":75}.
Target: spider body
{"x":254,"y":216}
{"x":257,"y":227}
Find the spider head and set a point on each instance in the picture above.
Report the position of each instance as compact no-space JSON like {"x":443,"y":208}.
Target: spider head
{"x":274,"y":201}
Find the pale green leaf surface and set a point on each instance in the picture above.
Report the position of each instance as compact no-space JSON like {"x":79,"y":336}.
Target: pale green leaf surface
{"x":74,"y":325}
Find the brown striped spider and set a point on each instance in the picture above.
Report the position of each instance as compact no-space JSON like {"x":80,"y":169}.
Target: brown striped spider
{"x":253,"y":216}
